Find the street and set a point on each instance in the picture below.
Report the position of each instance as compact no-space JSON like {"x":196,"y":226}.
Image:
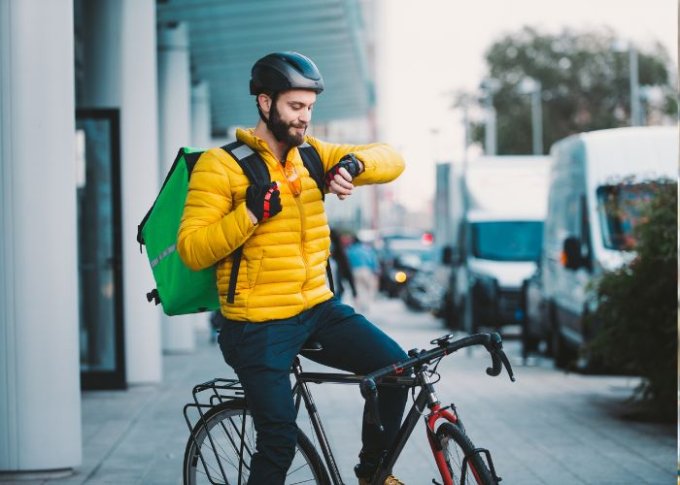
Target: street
{"x":549,"y":427}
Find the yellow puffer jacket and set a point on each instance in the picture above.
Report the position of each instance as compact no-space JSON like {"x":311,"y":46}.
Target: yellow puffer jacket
{"x":283,"y":268}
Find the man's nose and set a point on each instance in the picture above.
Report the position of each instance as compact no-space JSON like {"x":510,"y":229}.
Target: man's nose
{"x":306,"y":115}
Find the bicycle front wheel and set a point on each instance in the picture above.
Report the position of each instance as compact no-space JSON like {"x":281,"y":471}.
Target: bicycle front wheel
{"x":220,"y":450}
{"x":456,"y":446}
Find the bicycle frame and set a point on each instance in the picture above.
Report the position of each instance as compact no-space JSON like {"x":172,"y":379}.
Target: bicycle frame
{"x":418,"y":375}
{"x":426,"y":398}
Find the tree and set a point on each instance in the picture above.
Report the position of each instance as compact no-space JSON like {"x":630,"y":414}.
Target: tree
{"x":585,"y":82}
{"x":637,"y":305}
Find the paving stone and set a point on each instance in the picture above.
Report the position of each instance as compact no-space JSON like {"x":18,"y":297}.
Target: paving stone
{"x":549,"y":427}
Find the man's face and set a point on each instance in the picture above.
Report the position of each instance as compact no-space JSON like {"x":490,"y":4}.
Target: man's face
{"x":290,"y":115}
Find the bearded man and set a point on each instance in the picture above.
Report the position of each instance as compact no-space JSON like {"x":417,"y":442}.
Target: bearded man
{"x":281,"y":297}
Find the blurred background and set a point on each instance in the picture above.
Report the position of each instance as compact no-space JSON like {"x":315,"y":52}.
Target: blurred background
{"x":540,"y":139}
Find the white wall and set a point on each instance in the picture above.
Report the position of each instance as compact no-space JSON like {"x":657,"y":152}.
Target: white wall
{"x":39,"y":367}
{"x":174,"y":99}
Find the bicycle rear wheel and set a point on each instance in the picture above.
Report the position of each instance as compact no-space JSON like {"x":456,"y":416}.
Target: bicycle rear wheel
{"x":456,"y":446}
{"x":220,"y":451}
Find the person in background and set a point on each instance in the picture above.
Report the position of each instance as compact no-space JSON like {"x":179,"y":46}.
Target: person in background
{"x":364,"y":262}
{"x":340,"y":267}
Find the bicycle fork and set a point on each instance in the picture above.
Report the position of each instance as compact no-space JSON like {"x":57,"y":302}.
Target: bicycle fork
{"x":437,"y":413}
{"x":448,"y":413}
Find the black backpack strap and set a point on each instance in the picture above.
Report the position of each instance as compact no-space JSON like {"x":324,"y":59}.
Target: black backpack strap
{"x":329,"y":275}
{"x":250,"y":162}
{"x":256,"y":170}
{"x":312,"y":162}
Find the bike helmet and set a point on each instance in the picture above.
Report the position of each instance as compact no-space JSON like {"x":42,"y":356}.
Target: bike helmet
{"x":280,"y":71}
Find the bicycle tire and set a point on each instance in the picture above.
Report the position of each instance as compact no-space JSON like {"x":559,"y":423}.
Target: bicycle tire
{"x":456,"y":445}
{"x":203,"y":465}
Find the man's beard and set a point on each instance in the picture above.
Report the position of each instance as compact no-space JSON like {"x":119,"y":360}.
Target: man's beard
{"x":282,"y":130}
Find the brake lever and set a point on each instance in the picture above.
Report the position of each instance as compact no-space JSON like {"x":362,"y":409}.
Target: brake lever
{"x":508,"y":367}
{"x":369,"y":391}
{"x":496,"y":364}
{"x":498,"y":357}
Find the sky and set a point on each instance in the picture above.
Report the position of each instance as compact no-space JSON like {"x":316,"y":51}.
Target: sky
{"x":428,"y":49}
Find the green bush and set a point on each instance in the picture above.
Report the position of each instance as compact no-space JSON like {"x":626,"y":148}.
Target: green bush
{"x":637,"y":305}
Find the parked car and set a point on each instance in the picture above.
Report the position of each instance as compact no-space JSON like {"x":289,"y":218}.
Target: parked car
{"x":425,"y":291}
{"x":400,"y":259}
{"x":590,"y":221}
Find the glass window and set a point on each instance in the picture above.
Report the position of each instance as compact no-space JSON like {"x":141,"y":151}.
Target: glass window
{"x":620,"y":209}
{"x":507,"y":240}
{"x":410,"y":252}
{"x":99,"y":249}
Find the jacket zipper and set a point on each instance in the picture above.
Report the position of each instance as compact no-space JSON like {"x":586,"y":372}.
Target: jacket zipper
{"x":303,"y":230}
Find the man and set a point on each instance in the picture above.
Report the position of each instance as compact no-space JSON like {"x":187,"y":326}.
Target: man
{"x":364,"y":263}
{"x":281,"y":297}
{"x":341,"y":269}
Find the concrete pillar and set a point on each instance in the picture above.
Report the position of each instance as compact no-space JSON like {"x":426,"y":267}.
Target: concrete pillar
{"x":40,"y":422}
{"x":174,"y":98}
{"x":201,"y":129}
{"x":101,"y":32}
{"x":119,"y":39}
{"x":140,"y":175}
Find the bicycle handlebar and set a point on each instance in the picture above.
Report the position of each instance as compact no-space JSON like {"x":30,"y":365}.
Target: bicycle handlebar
{"x":491,"y":341}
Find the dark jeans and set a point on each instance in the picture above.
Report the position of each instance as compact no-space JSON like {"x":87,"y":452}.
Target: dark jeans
{"x":262,"y":355}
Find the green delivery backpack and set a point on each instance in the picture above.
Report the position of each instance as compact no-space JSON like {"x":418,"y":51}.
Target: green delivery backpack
{"x":179,"y":289}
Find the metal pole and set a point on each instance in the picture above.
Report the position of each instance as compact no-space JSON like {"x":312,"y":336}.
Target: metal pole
{"x":466,"y":128}
{"x":490,"y":86}
{"x":490,"y":145}
{"x":635,"y":107}
{"x":537,"y":119}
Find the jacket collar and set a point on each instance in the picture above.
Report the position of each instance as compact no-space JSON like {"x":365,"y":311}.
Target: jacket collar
{"x":247,"y":136}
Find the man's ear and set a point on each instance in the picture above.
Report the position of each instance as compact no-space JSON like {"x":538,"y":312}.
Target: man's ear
{"x":265,"y":103}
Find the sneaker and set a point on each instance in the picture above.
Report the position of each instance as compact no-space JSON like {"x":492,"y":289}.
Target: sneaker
{"x":391,"y":480}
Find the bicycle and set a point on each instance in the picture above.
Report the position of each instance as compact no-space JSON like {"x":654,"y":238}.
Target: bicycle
{"x":223,"y":439}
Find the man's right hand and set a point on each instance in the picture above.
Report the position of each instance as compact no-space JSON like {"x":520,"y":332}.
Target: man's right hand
{"x":263,"y":201}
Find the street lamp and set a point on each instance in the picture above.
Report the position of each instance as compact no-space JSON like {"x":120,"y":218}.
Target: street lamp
{"x":634,"y":76}
{"x":463,"y":100}
{"x":533,"y":87}
{"x":635,"y":106}
{"x":490,"y":86}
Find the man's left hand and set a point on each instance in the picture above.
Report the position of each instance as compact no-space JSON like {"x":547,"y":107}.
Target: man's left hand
{"x":339,"y":177}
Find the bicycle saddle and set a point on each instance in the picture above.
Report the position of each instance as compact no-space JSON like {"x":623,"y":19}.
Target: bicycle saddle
{"x":311,"y":346}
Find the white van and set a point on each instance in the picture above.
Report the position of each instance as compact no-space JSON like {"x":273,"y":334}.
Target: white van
{"x":583,"y":235}
{"x":499,"y":240}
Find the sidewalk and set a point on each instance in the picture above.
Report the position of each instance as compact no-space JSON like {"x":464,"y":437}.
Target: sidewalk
{"x":547,"y":428}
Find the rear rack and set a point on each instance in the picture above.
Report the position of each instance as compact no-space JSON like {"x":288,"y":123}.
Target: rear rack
{"x":208,"y":395}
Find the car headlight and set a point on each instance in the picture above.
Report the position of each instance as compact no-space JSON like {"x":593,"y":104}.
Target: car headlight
{"x":400,"y":277}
